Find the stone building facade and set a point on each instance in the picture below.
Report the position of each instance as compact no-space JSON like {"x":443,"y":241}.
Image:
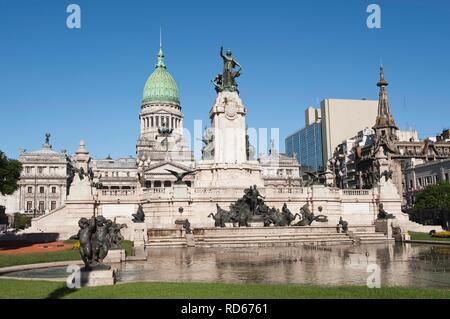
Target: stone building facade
{"x":43,"y":184}
{"x":420,"y":174}
{"x":398,"y":146}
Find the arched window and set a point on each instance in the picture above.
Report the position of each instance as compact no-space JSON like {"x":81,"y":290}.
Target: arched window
{"x":148,"y":184}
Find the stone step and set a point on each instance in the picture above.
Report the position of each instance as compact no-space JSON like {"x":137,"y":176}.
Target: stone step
{"x":274,"y":243}
{"x":223,"y":240}
{"x":268,"y":238}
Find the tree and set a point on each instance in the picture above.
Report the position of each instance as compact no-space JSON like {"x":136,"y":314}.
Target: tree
{"x":9,"y":174}
{"x":433,"y":204}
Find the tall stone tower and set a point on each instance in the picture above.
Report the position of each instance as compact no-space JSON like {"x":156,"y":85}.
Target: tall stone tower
{"x":161,"y":120}
{"x":385,"y":124}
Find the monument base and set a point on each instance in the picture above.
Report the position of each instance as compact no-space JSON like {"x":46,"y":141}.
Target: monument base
{"x":115,"y":256}
{"x":190,"y":241}
{"x":93,"y":278}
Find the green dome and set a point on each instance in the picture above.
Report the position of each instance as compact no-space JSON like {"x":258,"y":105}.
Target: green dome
{"x":160,"y":86}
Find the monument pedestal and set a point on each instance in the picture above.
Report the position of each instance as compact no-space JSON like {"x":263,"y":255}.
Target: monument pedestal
{"x":93,"y":278}
{"x":190,"y":241}
{"x":139,"y":239}
{"x":180,"y":191}
{"x":115,"y":256}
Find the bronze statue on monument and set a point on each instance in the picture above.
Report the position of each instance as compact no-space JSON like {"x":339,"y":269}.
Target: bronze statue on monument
{"x":226,"y":81}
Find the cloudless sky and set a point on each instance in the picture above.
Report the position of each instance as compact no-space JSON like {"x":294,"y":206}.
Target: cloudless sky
{"x":88,"y":83}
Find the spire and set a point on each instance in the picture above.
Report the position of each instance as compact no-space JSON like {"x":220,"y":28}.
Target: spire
{"x":384,"y":117}
{"x":160,"y":63}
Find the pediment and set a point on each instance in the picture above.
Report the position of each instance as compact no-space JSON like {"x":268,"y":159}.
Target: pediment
{"x":160,"y":168}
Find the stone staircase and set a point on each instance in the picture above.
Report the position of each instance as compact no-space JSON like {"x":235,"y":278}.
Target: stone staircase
{"x":166,"y":241}
{"x":271,"y":240}
{"x":369,"y":238}
{"x":268,"y":236}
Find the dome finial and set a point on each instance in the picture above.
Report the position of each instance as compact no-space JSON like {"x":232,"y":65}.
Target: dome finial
{"x":160,"y":63}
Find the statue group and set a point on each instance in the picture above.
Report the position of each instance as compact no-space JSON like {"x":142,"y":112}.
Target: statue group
{"x":226,"y":81}
{"x":251,"y":207}
{"x":97,"y":236}
{"x":382,"y":214}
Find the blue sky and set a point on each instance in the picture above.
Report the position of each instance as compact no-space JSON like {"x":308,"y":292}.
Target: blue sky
{"x":88,"y":83}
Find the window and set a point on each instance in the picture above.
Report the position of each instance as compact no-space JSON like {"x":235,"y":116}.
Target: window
{"x":167,"y":184}
{"x":40,"y":170}
{"x":29,"y":206}
{"x":41,"y":189}
{"x":157,"y":184}
{"x":53,"y":190}
{"x":29,"y":189}
{"x":41,"y":206}
{"x":106,"y":174}
{"x":28,"y":170}
{"x":53,"y":205}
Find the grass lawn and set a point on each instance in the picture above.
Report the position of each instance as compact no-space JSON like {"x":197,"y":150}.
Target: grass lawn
{"x":425,"y":236}
{"x":11,"y":288}
{"x":44,"y":257}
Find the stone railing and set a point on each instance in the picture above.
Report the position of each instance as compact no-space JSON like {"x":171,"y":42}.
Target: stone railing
{"x":157,"y":193}
{"x":116,"y":194}
{"x":356,"y":192}
{"x":217,"y":193}
{"x":277,"y":192}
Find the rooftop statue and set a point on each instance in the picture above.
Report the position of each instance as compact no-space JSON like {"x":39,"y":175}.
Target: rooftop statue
{"x":226,"y":81}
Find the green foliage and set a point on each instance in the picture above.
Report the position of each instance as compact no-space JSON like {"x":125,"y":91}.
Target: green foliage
{"x":10,"y":288}
{"x":9,"y":174}
{"x":128,"y":246}
{"x":425,"y":236}
{"x":435,"y":197}
{"x":21,"y":221}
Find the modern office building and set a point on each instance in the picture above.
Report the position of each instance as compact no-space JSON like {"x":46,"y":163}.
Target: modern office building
{"x":328,"y":126}
{"x":341,"y":119}
{"x":306,"y":144}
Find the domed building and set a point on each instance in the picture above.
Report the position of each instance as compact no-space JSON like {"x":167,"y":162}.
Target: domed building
{"x":161,"y":144}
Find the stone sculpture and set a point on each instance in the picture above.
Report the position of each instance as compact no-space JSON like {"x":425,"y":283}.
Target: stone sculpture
{"x":187,"y":226}
{"x":97,"y":236}
{"x":227,"y":80}
{"x":343,"y":225}
{"x":208,"y":148}
{"x":382,"y":214}
{"x":179,"y":176}
{"x":251,"y":207}
{"x":139,"y":217}
{"x":307,"y":217}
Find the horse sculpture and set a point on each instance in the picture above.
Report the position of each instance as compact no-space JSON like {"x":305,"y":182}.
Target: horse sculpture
{"x":307,"y":217}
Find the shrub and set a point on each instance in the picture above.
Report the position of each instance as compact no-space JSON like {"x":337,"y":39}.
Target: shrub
{"x":21,"y":221}
{"x":442,"y":234}
{"x":76,"y":245}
